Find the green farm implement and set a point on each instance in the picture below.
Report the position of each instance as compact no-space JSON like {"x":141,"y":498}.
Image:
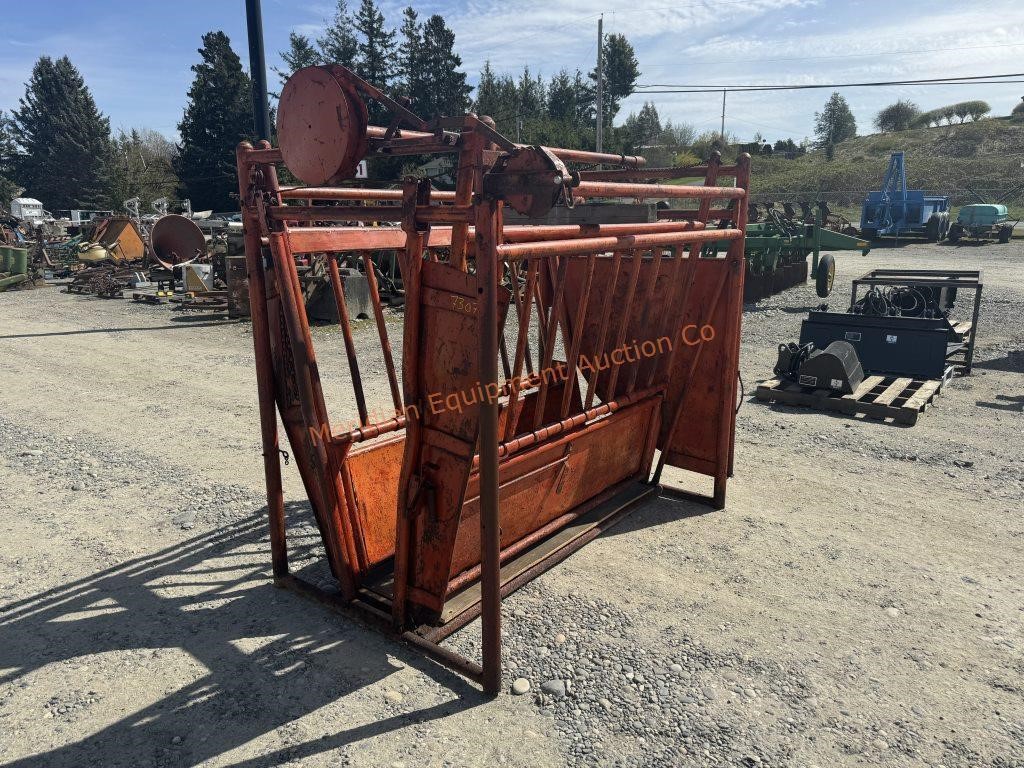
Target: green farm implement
{"x":777,"y":248}
{"x":982,"y":221}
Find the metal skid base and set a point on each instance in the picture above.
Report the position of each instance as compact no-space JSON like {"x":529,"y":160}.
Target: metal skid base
{"x":372,"y":607}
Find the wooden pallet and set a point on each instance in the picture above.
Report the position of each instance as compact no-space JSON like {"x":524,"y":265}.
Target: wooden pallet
{"x":901,"y":400}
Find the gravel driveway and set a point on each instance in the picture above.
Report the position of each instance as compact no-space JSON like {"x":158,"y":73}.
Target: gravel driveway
{"x":859,"y":602}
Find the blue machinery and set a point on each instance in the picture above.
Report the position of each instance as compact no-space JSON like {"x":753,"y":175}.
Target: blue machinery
{"x":896,"y":211}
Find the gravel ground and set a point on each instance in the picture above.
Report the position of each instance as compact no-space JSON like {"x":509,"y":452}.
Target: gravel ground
{"x":859,"y":602}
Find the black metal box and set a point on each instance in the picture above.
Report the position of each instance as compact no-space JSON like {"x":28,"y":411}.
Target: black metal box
{"x":903,"y":346}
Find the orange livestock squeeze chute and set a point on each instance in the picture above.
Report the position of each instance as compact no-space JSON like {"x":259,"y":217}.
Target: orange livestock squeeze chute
{"x":544,"y":367}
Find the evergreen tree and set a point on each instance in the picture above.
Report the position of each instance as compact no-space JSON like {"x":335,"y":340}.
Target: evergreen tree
{"x":621,"y":71}
{"x":834,"y":124}
{"x":8,"y":161}
{"x":339,"y":44}
{"x":411,"y":72}
{"x":488,"y":96}
{"x":562,"y":107}
{"x":64,"y":139}
{"x":644,"y":128}
{"x":532,"y":99}
{"x":445,"y":91}
{"x":218,"y":115}
{"x":301,"y":53}
{"x":376,"y":49}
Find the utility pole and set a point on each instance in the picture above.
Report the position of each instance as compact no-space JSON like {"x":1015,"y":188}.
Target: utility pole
{"x":257,"y":70}
{"x":600,"y":82}
{"x":723,"y":115}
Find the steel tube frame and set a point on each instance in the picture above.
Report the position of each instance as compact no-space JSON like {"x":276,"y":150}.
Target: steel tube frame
{"x":476,"y":231}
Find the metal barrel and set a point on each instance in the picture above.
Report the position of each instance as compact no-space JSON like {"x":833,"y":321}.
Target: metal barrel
{"x":19,"y":261}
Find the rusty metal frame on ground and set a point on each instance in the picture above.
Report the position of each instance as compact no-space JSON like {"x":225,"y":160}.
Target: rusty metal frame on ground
{"x":429,"y":517}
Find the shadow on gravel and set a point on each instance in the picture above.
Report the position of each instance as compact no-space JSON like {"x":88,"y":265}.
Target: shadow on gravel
{"x":657,"y":512}
{"x":1006,"y":403}
{"x":178,"y":326}
{"x":756,"y":309}
{"x":271,"y":657}
{"x":1012,"y":362}
{"x":204,"y":318}
{"x":887,"y":243}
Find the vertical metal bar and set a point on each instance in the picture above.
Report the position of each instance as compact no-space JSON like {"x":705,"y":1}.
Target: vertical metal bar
{"x":465,"y":181}
{"x":310,"y":397}
{"x":572,"y":360}
{"x":382,"y":330}
{"x":542,"y":324}
{"x":817,"y":241}
{"x":487,"y":268}
{"x":264,"y":372}
{"x":350,"y":344}
{"x":646,"y":295}
{"x":704,"y":208}
{"x":974,"y":325}
{"x":672,"y":313}
{"x":736,"y":313}
{"x":503,"y":348}
{"x":522,"y":349}
{"x":523,"y":303}
{"x":602,"y":335}
{"x":414,"y":194}
{"x":549,"y":344}
{"x":257,"y":69}
{"x":627,"y":311}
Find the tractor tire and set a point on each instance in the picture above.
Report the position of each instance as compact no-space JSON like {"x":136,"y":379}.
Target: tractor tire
{"x":955,"y":233}
{"x":825,"y":276}
{"x":1005,"y":233}
{"x":933,"y":228}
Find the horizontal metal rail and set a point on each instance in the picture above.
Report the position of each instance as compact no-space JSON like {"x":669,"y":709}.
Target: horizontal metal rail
{"x":341,"y":239}
{"x":644,"y":174}
{"x":530,"y":234}
{"x":515,"y":251}
{"x":352,"y":193}
{"x":642,"y":191}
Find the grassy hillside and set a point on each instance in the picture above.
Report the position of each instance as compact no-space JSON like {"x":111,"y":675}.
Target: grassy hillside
{"x":985,"y":155}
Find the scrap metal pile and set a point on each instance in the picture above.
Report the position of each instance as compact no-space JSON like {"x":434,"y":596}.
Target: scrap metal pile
{"x":542,"y":366}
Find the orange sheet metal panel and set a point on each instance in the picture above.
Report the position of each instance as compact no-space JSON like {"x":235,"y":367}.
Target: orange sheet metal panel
{"x":542,"y":484}
{"x":704,"y":369}
{"x":645,"y":323}
{"x":374,"y":472}
{"x":449,"y":398}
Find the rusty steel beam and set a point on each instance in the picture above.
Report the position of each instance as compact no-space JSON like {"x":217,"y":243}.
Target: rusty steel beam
{"x":589,"y":189}
{"x":353,"y":193}
{"x":513,"y":251}
{"x":650,"y":174}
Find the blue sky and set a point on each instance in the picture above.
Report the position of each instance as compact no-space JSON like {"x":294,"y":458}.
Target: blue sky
{"x":135,"y":56}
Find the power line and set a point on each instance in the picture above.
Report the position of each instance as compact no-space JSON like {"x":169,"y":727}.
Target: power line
{"x":966,"y":80}
{"x":691,"y":62}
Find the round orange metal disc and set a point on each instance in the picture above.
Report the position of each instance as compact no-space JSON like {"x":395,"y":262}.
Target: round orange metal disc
{"x":321,"y":126}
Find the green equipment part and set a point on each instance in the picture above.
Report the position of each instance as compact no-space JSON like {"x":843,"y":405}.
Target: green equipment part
{"x":776,"y":252}
{"x":982,"y":221}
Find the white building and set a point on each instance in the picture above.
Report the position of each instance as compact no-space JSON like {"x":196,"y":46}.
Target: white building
{"x":28,"y":209}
